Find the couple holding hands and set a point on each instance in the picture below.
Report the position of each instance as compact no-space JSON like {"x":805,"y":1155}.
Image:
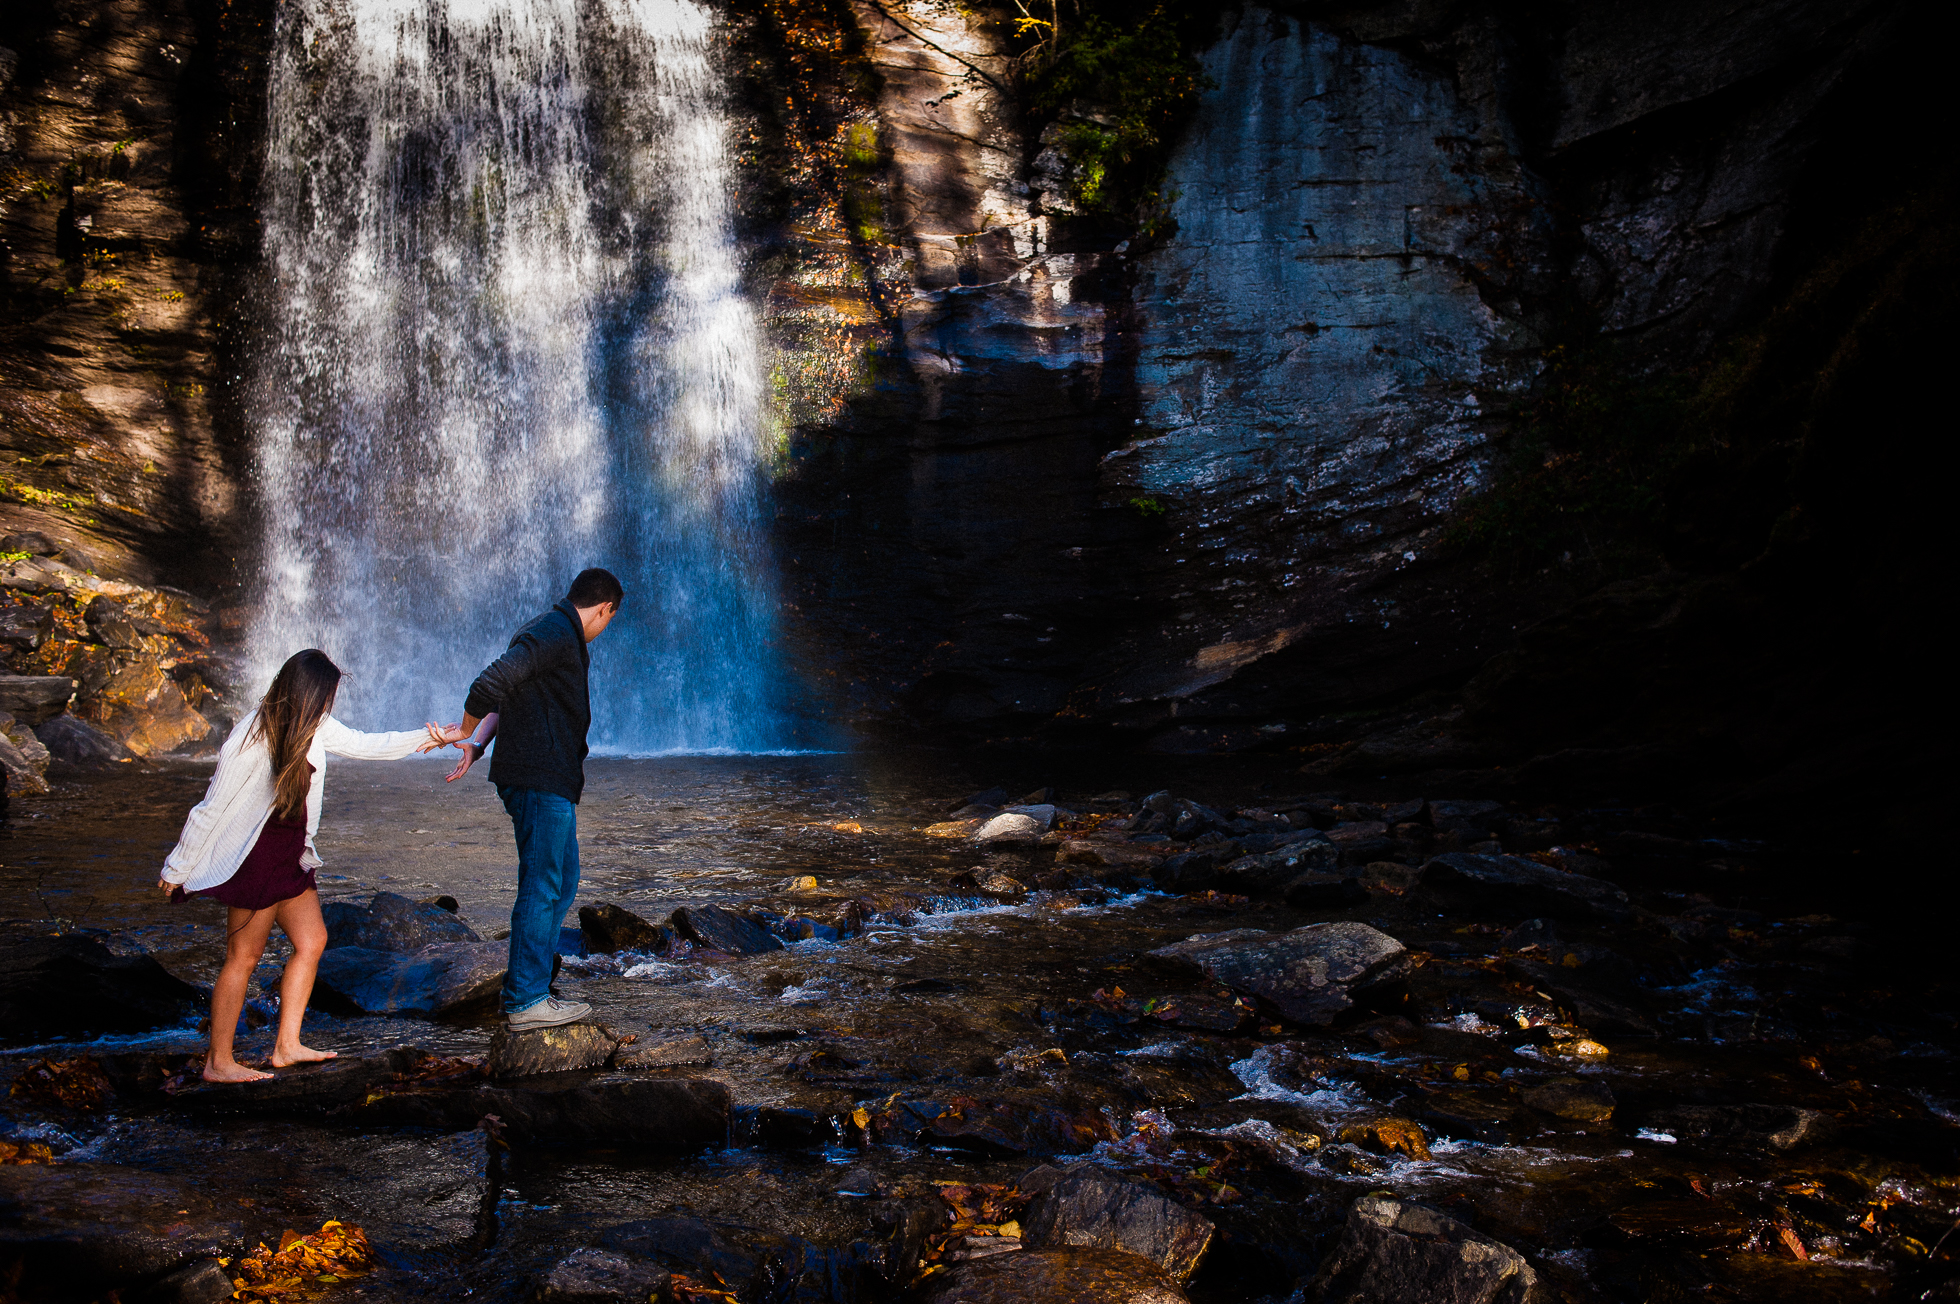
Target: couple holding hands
{"x":249,"y":843}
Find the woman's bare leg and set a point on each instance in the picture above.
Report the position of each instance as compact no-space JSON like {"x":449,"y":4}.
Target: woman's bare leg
{"x":245,"y":934}
{"x":300,"y":917}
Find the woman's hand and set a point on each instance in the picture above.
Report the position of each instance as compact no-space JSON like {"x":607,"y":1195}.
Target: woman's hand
{"x":442,"y":735}
{"x":470,"y":752}
{"x":165,"y":886}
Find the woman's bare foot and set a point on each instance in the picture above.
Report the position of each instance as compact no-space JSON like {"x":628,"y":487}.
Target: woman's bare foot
{"x":233,"y":1072}
{"x":282,"y":1059}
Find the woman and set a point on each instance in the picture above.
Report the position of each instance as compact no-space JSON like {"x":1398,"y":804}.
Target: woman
{"x":249,"y":844}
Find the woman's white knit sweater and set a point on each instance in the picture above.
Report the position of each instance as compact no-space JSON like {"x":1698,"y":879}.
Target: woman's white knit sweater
{"x":223,"y":828}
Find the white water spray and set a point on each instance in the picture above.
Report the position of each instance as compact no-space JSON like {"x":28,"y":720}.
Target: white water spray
{"x":508,"y":342}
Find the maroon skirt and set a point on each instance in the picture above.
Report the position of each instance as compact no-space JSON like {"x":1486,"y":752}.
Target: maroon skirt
{"x":271,"y":872}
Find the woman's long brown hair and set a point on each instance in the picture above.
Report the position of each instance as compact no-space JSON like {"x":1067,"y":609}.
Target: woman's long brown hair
{"x":300,"y":697}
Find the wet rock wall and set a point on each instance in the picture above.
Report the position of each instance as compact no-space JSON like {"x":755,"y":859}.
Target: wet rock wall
{"x":1229,"y":483}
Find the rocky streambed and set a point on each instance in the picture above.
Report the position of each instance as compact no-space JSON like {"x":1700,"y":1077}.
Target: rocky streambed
{"x":862,"y":1032}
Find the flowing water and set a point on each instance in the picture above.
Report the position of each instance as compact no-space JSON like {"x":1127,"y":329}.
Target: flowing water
{"x":507,"y":342}
{"x":946,"y":995}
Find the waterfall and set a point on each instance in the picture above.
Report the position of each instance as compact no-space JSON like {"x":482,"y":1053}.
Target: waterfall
{"x":506,"y":342}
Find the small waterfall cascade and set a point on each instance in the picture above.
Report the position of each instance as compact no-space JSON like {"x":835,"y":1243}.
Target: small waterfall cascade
{"x":507,"y":342}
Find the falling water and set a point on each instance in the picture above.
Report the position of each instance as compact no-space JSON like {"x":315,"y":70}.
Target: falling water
{"x":508,"y":342}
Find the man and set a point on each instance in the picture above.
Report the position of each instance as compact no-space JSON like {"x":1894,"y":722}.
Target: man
{"x":537,"y":697}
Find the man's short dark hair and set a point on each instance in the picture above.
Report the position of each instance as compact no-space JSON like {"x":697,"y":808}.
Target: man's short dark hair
{"x":595,"y":586}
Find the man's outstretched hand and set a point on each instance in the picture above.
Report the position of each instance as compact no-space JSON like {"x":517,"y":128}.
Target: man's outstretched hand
{"x":470,"y":752}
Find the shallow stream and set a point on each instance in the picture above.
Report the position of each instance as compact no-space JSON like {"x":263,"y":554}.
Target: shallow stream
{"x":1756,"y":997}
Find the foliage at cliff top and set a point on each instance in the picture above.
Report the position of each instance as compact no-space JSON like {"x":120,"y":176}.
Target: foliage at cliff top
{"x":1122,"y":83}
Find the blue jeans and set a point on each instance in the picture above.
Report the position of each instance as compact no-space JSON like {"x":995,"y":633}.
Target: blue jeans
{"x":547,"y":880}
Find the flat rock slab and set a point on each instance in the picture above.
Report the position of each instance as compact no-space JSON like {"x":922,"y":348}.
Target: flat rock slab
{"x":754,"y":1263}
{"x":1055,"y":1276}
{"x":1396,"y":1253}
{"x":438,"y":980}
{"x":1115,"y":855}
{"x":549,"y":1050}
{"x":593,"y":1276}
{"x":69,"y":984}
{"x":717,"y":928}
{"x":1517,"y":885}
{"x":1310,"y":975}
{"x":1099,"y":1209}
{"x":668,"y":1115}
{"x":391,"y":922}
{"x":304,"y":1088}
{"x":79,"y":1231}
{"x":669,"y":1053}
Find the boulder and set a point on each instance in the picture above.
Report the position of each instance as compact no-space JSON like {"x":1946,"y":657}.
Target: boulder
{"x":1010,"y":830}
{"x":663,"y":1115}
{"x":717,"y":928}
{"x":113,"y":626}
{"x":393,"y":923}
{"x":25,"y":627}
{"x":144,"y":707}
{"x":1517,"y":886}
{"x":592,"y":1276}
{"x":1396,"y":1253}
{"x":448,"y":978}
{"x":1054,"y":1276}
{"x":1092,"y":1207}
{"x":1269,"y":873}
{"x":667,"y":1053}
{"x":32,"y":699}
{"x":69,"y":985}
{"x":74,"y":740}
{"x":609,"y":928}
{"x":527,"y":1053}
{"x":1777,"y":1127}
{"x":1581,"y":1100}
{"x":22,"y":777}
{"x":82,"y":1231}
{"x":1310,"y":975}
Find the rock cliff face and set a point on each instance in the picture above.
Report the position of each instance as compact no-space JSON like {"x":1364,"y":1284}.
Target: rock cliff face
{"x":1209,"y":489}
{"x":1491,"y":385}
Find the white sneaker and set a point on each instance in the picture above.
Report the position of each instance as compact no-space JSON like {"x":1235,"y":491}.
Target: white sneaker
{"x":548,"y":1013}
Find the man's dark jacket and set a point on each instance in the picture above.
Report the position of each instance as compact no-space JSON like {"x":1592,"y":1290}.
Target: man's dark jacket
{"x":538,"y":690}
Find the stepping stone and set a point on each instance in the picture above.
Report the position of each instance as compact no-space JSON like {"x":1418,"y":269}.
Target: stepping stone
{"x":562,"y":1049}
